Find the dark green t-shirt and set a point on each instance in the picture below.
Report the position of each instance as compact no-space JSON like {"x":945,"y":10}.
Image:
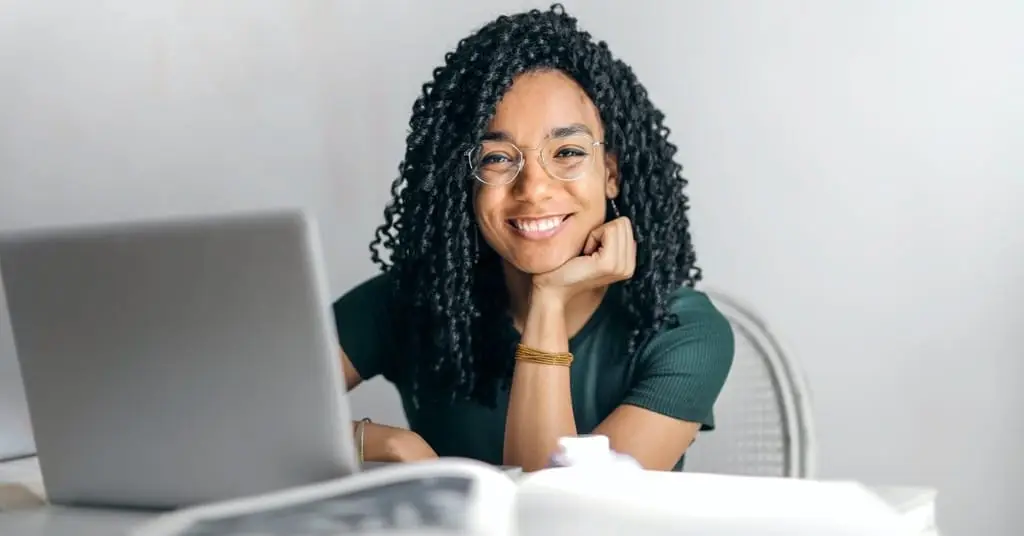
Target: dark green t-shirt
{"x":679,"y":373}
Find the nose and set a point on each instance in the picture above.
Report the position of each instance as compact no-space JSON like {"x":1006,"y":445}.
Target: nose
{"x":533,"y":183}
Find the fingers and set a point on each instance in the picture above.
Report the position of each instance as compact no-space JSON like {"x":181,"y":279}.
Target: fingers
{"x":615,"y":248}
{"x":628,"y":255}
{"x":627,"y":249}
{"x":593,"y":241}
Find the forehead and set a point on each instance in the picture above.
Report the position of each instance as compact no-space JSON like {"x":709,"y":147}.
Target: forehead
{"x":539,"y":102}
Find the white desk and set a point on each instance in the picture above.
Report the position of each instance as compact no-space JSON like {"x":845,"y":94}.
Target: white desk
{"x":54,"y":521}
{"x":24,"y":513}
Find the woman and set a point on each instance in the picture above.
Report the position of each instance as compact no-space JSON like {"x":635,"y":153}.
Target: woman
{"x":540,"y":271}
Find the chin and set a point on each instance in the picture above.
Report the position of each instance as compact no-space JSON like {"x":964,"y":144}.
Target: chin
{"x":540,"y":264}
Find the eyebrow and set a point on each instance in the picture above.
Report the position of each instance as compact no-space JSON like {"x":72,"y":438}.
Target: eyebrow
{"x":557,"y":132}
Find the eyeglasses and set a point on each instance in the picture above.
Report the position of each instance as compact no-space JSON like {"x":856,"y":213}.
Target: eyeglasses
{"x":497,"y":163}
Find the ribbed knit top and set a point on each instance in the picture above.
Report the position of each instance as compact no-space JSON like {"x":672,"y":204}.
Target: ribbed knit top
{"x":679,"y":372}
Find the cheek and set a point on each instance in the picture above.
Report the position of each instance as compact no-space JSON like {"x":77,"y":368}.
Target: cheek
{"x":592,"y":199}
{"x":487,"y":210}
{"x":483,"y":204}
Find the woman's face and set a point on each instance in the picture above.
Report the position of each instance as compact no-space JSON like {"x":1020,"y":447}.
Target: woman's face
{"x":537,"y":222}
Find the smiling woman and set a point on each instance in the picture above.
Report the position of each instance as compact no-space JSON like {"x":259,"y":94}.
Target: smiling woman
{"x":536,"y":212}
{"x":540,"y":281}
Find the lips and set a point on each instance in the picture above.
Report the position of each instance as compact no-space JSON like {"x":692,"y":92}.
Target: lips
{"x":534,"y":225}
{"x":539,"y":228}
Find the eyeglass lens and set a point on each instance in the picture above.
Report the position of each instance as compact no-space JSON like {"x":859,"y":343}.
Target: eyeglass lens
{"x":499,"y":162}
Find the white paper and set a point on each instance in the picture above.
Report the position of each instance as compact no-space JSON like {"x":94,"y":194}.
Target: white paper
{"x":578,"y":500}
{"x":594,"y":451}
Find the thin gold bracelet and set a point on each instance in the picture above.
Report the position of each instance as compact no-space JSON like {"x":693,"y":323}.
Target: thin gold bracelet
{"x":361,"y":432}
{"x":532,"y":355}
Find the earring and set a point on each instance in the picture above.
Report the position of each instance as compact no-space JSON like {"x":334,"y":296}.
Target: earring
{"x":615,"y":209}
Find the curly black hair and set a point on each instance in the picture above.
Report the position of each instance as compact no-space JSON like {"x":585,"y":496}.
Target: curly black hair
{"x":449,"y":298}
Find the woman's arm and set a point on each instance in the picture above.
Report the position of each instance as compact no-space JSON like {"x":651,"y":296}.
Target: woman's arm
{"x":540,"y":403}
{"x":678,"y":378}
{"x":363,"y":323}
{"x":382,"y":443}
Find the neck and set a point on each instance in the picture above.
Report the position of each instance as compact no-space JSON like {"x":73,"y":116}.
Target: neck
{"x":577,"y":311}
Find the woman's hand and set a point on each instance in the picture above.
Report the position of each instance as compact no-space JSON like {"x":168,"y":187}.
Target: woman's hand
{"x":408,"y":446}
{"x":389,"y":444}
{"x":609,"y":256}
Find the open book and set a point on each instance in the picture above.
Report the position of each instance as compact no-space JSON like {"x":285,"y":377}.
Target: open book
{"x":469,"y":498}
{"x":440,"y":497}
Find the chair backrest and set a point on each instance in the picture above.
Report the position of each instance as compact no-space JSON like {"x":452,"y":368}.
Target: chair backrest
{"x":763,"y":421}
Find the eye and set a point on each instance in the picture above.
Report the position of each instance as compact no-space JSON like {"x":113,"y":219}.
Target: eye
{"x":570,"y":152}
{"x":494,"y":159}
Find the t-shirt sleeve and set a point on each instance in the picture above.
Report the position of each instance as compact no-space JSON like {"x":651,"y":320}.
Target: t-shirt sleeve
{"x":680,"y":373}
{"x":362,"y":319}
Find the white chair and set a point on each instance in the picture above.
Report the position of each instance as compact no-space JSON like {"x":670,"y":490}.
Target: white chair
{"x":763,"y":421}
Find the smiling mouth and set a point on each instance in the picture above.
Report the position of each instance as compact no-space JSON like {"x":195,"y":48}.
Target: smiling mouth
{"x":538,"y":228}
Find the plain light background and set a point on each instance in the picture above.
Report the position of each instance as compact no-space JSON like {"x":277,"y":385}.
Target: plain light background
{"x":855,"y":166}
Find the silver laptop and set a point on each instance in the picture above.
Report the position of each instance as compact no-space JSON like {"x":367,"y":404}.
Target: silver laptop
{"x":169,"y":363}
{"x":15,"y":429}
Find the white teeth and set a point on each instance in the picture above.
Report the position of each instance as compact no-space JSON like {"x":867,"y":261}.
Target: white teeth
{"x":536,"y":226}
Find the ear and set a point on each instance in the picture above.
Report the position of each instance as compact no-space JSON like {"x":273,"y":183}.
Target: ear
{"x":611,"y":182}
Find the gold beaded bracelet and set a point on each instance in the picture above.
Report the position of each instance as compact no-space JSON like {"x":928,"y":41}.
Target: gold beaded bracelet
{"x":531,"y":355}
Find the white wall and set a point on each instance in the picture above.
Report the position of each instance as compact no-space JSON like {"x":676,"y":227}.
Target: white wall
{"x":854,"y":173}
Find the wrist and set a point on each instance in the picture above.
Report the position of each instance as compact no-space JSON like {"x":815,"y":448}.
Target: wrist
{"x":544,"y":328}
{"x":548,"y":300}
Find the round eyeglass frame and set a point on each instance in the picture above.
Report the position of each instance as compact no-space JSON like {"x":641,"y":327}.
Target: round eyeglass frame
{"x":522,"y":162}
